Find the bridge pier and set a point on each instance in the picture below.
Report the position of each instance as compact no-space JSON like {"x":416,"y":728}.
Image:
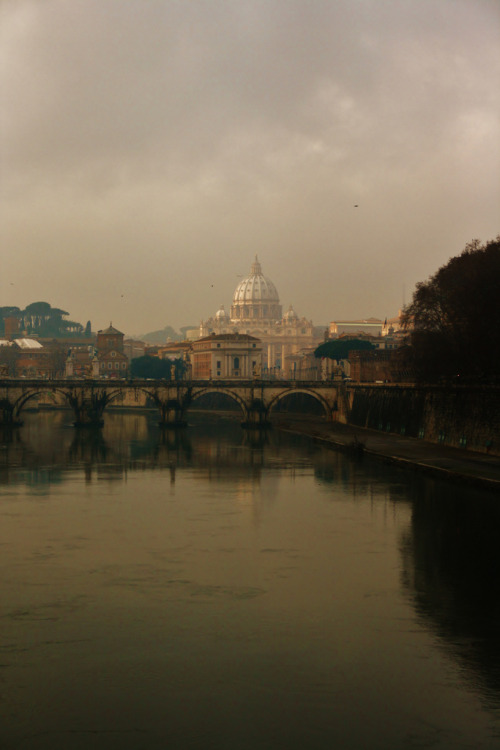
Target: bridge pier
{"x":172,"y":419}
{"x":9,"y":416}
{"x":88,"y":406}
{"x":256,"y":416}
{"x":172,"y":402}
{"x":89,"y":398}
{"x":171,"y":415}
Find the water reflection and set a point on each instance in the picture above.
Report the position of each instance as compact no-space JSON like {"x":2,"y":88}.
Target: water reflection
{"x":451,"y":568}
{"x":240,"y":590}
{"x":137,"y":442}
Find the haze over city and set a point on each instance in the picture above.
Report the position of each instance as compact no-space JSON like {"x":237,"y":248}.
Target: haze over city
{"x":151,"y":149}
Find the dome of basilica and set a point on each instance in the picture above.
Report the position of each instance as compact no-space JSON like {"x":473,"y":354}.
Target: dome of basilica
{"x":256,"y":288}
{"x":290,"y":315}
{"x":221,"y":314}
{"x":256,"y":297}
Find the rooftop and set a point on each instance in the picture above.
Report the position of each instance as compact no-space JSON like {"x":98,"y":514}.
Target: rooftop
{"x":229,"y":337}
{"x":28,"y":344}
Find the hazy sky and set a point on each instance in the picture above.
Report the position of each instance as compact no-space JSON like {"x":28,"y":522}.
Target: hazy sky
{"x":150,"y":148}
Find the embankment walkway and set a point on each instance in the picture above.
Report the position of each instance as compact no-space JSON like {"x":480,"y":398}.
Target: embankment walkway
{"x":439,"y":460}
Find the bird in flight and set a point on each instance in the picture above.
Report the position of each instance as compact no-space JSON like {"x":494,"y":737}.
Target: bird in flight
{"x":356,"y":206}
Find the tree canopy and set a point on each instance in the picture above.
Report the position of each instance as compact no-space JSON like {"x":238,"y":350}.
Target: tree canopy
{"x":340,"y":348}
{"x":454,"y":318}
{"x":42,"y":319}
{"x":153,"y":367}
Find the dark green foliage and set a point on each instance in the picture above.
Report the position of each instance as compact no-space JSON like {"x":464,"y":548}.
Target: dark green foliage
{"x":42,"y":319}
{"x":88,"y":329}
{"x":9,"y":312}
{"x":39,"y":308}
{"x":454,"y":318}
{"x":158,"y":369}
{"x":340,"y":348}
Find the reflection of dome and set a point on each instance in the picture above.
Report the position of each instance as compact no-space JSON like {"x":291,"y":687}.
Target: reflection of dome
{"x":255,"y":298}
{"x":221,"y":314}
{"x":290,"y":315}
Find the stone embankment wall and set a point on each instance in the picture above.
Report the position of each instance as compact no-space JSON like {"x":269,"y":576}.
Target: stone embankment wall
{"x":461,"y":416}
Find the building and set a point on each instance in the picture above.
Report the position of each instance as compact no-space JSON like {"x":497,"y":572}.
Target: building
{"x":394,"y":325}
{"x":175,"y":350}
{"x":113,"y":362}
{"x":380,"y":366}
{"x":106,"y":359}
{"x":26,"y":357}
{"x":256,"y":311}
{"x":134,"y":349}
{"x":11,"y":325}
{"x":82,"y":362}
{"x":371,"y":326}
{"x":226,"y":355}
{"x":109,"y":339}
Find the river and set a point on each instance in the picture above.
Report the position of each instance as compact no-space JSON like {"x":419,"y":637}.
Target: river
{"x":218,"y":588}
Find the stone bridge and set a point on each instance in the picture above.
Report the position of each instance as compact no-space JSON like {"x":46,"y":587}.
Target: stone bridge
{"x":89,"y":398}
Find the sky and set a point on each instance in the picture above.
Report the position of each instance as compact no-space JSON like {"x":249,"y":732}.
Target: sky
{"x":151,"y":148}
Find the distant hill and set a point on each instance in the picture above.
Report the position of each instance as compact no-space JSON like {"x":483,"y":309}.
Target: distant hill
{"x":159,"y":337}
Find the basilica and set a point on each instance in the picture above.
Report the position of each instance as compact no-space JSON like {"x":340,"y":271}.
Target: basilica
{"x":256,"y":311}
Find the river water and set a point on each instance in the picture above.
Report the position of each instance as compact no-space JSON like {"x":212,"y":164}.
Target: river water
{"x":215,"y":588}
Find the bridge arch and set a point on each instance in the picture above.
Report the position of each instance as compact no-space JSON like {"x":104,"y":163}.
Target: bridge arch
{"x":89,"y":398}
{"x":198,"y":392}
{"x":307,"y":391}
{"x":170,"y":402}
{"x":120,"y":393}
{"x":17,"y":405}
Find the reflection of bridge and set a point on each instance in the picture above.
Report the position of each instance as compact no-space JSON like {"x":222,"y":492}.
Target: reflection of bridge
{"x":89,"y":398}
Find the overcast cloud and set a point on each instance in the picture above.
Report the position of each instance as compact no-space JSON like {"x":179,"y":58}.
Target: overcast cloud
{"x":150,"y":148}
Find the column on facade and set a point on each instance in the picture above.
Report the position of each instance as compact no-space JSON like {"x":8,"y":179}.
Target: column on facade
{"x":270,"y":358}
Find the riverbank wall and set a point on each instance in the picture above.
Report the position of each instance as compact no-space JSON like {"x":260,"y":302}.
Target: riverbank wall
{"x":458,"y":416}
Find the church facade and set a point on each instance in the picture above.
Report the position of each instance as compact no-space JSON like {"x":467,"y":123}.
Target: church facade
{"x":256,"y":311}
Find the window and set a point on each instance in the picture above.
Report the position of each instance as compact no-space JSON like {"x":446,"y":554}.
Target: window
{"x":113,"y":354}
{"x":218,"y":364}
{"x":236,"y":363}
{"x":110,"y":365}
